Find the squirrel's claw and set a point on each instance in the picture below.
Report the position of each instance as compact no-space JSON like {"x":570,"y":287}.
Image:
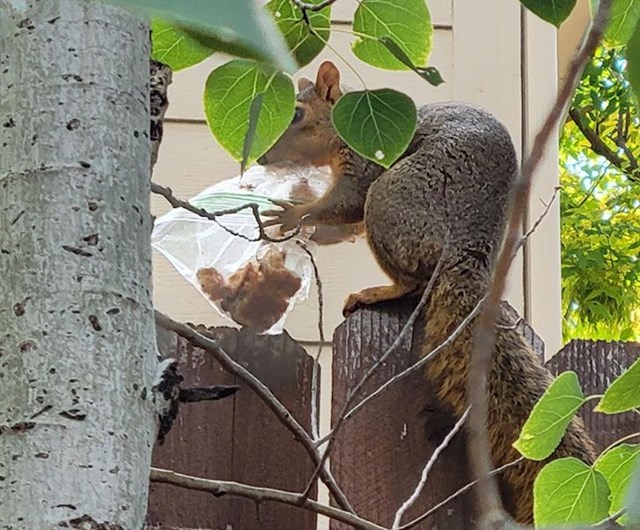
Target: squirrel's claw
{"x":288,"y":217}
{"x":352,"y":304}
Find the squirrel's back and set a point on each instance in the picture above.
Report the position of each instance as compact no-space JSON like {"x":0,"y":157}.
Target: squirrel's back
{"x":451,"y":185}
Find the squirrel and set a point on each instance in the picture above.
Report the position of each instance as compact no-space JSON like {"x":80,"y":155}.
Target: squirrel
{"x":444,"y":200}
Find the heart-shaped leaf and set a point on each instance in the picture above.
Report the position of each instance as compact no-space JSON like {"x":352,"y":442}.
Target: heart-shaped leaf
{"x":237,"y":27}
{"x":554,"y":11}
{"x":175,"y":47}
{"x":548,"y":421}
{"x":625,"y":15}
{"x":229,"y":94}
{"x":428,"y":73}
{"x":568,"y":491}
{"x":406,"y":22}
{"x":305,"y":40}
{"x":633,"y":65}
{"x":378,"y":124}
{"x":617,"y":466}
{"x":623,"y":394}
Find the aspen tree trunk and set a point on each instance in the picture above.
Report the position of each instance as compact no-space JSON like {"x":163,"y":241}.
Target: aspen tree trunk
{"x":77,"y":335}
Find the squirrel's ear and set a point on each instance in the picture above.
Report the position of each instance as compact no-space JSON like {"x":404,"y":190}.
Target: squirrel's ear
{"x":328,"y":82}
{"x":303,"y":83}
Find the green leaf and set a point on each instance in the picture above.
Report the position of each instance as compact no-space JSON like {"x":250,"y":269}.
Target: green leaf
{"x":624,"y":17}
{"x":229,"y":96}
{"x":172,"y":46}
{"x":548,"y":421}
{"x":633,"y":494}
{"x":569,"y":491}
{"x":237,"y":27}
{"x":407,"y":22}
{"x":305,"y":41}
{"x":254,"y":115}
{"x":428,"y":73}
{"x":617,"y":466}
{"x":554,"y":11}
{"x":633,"y":58}
{"x":623,"y":394}
{"x":378,"y":124}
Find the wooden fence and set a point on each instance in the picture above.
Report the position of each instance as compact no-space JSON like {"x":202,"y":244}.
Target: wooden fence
{"x":378,"y":456}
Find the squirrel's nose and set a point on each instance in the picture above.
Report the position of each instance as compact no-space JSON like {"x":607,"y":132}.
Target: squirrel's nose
{"x":262,"y":160}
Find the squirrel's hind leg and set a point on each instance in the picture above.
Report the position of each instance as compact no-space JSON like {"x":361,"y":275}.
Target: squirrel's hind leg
{"x":373,"y":295}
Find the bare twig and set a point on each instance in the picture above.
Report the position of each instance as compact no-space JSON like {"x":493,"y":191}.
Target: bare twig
{"x":397,"y":521}
{"x":488,"y":496}
{"x":597,"y":144}
{"x":455,"y":495}
{"x":220,"y":487}
{"x":262,"y":391}
{"x":406,"y":329}
{"x":306,"y":6}
{"x":599,"y":147}
{"x":315,"y":413}
{"x":609,"y":521}
{"x":413,"y":368}
{"x":167,"y":193}
{"x":538,"y":222}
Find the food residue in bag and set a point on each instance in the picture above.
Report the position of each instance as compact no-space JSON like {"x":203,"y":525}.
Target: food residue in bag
{"x":257,"y":295}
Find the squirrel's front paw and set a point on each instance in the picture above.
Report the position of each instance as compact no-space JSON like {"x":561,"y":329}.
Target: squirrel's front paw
{"x":353,"y":302}
{"x":289,"y":217}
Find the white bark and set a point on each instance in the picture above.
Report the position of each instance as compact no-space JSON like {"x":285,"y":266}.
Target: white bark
{"x":77,"y":336}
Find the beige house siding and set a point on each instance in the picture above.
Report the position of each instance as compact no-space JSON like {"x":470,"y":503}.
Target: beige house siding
{"x":489,"y":54}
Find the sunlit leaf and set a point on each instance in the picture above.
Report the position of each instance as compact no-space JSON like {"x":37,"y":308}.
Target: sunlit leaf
{"x":617,"y":466}
{"x":378,"y":124}
{"x":305,"y":41}
{"x":175,"y":47}
{"x":428,"y":73}
{"x":230,"y":92}
{"x":569,"y":491}
{"x":254,"y":116}
{"x":623,"y":393}
{"x":549,"y":419}
{"x":633,"y":56}
{"x":407,"y":22}
{"x":237,"y":27}
{"x":623,"y":19}
{"x":633,"y":494}
{"x":554,"y":11}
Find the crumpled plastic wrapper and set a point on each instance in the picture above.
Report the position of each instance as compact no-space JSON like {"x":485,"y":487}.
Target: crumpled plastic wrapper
{"x":253,"y":283}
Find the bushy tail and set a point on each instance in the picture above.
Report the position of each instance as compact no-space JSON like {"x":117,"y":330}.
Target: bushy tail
{"x":517,"y":379}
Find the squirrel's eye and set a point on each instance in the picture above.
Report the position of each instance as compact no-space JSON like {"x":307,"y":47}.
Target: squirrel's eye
{"x":298,"y":115}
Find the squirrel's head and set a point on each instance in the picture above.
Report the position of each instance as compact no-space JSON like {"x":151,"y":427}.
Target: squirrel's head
{"x":311,"y":138}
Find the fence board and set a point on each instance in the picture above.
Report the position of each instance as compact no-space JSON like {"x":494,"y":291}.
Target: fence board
{"x":237,"y":438}
{"x":379,"y":455}
{"x":597,"y":363}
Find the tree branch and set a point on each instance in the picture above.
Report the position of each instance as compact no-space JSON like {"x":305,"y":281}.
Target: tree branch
{"x":315,"y":412}
{"x":262,"y":391}
{"x":597,"y":144}
{"x":488,"y":497}
{"x":220,"y":487}
{"x":455,"y":495}
{"x":167,"y":193}
{"x":397,"y":521}
{"x":406,"y":329}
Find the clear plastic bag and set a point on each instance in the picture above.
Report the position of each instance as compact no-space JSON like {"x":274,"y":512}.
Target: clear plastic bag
{"x":254,"y":283}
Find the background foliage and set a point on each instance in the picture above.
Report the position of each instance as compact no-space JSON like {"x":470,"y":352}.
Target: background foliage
{"x":600,"y":200}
